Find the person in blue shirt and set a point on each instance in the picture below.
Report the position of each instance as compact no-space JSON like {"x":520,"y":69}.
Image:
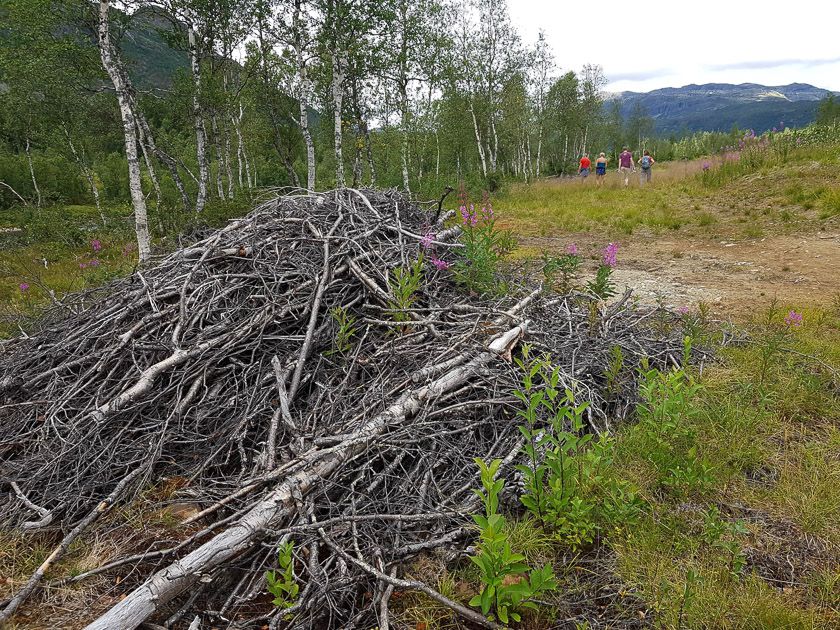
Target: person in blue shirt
{"x":601,"y":169}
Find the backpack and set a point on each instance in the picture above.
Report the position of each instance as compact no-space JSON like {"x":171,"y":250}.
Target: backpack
{"x":645,"y":162}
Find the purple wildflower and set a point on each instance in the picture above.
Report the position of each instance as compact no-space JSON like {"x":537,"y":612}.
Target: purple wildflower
{"x":82,"y":265}
{"x":706,"y":165}
{"x":426,"y":241}
{"x":96,"y":244}
{"x":793,"y":319}
{"x":610,"y":252}
{"x":468,"y":217}
{"x":572,"y":249}
{"x":93,"y":263}
{"x":682,"y":310}
{"x":440,"y":264}
{"x":23,"y":287}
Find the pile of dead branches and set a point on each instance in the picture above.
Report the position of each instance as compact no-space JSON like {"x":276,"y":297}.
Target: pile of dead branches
{"x":219,"y":368}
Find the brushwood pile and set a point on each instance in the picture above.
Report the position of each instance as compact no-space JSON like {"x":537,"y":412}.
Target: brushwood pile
{"x":269,"y":378}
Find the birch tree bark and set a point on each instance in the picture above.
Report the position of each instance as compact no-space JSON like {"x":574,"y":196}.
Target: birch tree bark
{"x":32,"y":174}
{"x":338,"y":65}
{"x":198,"y":121}
{"x":305,"y":90}
{"x":150,"y":169}
{"x":107,"y":54}
{"x":478,"y":142}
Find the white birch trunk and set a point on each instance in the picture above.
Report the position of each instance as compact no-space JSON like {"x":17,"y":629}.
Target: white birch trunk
{"x":494,"y":154}
{"x":239,"y":151}
{"x":437,"y":155}
{"x":198,"y":120}
{"x":32,"y":174}
{"x":304,"y":96}
{"x":478,"y":142}
{"x":106,"y":52}
{"x":338,"y":98}
{"x":228,"y":168}
{"x":149,"y":167}
{"x":404,"y":129}
{"x":539,"y":151}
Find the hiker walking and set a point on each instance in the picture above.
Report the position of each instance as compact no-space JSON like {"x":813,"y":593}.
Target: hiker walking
{"x":625,"y":165}
{"x":646,"y":162}
{"x":585,"y":166}
{"x":601,"y":169}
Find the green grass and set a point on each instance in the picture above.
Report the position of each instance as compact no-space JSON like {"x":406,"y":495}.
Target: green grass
{"x":774,"y":450}
{"x":546,"y":208}
{"x":798,"y":188}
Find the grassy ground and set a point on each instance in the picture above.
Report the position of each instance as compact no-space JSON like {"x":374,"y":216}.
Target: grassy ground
{"x":738,"y":520}
{"x":800,"y":193}
{"x":50,"y":250}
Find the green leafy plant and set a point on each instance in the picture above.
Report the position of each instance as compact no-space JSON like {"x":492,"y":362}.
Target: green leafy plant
{"x":508,"y":583}
{"x":664,"y":425}
{"x":601,"y":286}
{"x":281,"y":584}
{"x":404,"y":283}
{"x":566,"y":487}
{"x":560,"y":272}
{"x":725,"y":535}
{"x":345,"y":329}
{"x":484,"y":247}
{"x":613,"y":371}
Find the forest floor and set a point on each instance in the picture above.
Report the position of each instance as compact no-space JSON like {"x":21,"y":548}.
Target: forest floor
{"x":753,"y":539}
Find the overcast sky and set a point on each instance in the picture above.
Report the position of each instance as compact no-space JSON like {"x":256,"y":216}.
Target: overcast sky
{"x":649,"y":44}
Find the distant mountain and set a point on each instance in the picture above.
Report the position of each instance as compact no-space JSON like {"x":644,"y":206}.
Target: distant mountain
{"x":719,"y":106}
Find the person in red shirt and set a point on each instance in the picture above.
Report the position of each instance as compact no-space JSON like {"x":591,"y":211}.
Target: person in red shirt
{"x":585,"y":166}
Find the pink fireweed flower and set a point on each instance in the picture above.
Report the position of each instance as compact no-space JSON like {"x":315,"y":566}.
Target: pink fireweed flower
{"x":610,"y":252}
{"x":23,"y":287}
{"x":93,"y":263}
{"x":96,"y":244}
{"x":82,"y":265}
{"x":427,"y":240}
{"x":793,"y":319}
{"x":468,"y":217}
{"x":572,"y":249}
{"x":440,"y":264}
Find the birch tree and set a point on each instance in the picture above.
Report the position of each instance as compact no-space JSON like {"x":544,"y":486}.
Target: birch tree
{"x":542,"y":68}
{"x":122,"y":88}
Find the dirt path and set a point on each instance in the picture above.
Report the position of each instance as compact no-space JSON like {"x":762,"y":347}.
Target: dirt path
{"x":729,"y":275}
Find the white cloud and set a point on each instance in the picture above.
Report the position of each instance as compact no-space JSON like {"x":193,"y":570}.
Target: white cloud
{"x":648,"y":44}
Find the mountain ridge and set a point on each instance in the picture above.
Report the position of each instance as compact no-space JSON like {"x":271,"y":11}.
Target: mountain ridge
{"x":720,"y":106}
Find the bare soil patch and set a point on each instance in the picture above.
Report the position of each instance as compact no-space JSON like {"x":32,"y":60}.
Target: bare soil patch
{"x":731,"y":275}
